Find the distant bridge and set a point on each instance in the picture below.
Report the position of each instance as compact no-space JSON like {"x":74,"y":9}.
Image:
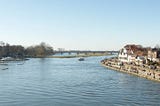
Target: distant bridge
{"x":85,"y":52}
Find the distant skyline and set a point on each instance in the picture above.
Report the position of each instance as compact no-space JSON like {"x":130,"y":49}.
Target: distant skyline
{"x":80,"y":24}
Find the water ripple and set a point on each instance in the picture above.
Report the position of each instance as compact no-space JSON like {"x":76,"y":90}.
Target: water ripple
{"x":68,"y":82}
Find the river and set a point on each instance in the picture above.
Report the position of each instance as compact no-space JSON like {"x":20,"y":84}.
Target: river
{"x":69,"y":82}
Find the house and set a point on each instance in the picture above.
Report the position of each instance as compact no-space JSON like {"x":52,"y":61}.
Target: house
{"x":154,"y":54}
{"x":126,"y":54}
{"x":130,"y":53}
{"x":123,"y":55}
{"x":140,"y":60}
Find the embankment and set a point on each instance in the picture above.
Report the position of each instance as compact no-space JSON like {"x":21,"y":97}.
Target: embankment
{"x":140,"y":71}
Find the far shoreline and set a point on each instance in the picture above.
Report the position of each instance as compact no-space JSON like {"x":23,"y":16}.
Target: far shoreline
{"x":76,"y":56}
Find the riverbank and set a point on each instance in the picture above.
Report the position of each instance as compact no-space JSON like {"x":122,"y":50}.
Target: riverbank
{"x":140,"y":71}
{"x":76,"y":56}
{"x":4,"y":59}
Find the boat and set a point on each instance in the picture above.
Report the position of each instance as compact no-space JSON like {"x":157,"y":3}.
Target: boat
{"x":4,"y":68}
{"x":81,"y":59}
{"x":20,"y":64}
{"x":7,"y":59}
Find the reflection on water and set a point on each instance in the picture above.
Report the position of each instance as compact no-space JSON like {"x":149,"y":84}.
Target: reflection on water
{"x":69,"y":82}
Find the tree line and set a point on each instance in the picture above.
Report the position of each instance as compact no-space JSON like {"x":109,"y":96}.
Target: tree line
{"x":18,"y":51}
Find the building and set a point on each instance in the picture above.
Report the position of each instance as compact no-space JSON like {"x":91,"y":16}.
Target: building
{"x":132,"y":53}
{"x":126,"y":55}
{"x":140,"y":60}
{"x":154,"y":55}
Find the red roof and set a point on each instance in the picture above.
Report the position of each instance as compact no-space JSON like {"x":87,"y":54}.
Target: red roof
{"x":136,"y":49}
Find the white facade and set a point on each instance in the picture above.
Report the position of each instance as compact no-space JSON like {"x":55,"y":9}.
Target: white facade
{"x":140,"y":60}
{"x":126,"y":55}
{"x":131,"y":58}
{"x":154,"y":55}
{"x":123,"y":56}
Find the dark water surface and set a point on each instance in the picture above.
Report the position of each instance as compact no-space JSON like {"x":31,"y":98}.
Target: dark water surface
{"x":69,"y":82}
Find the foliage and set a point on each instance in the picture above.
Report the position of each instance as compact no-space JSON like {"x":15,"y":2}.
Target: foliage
{"x":11,"y":51}
{"x":40,"y":50}
{"x":18,"y":51}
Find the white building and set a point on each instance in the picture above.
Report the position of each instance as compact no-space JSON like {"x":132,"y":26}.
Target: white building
{"x":154,"y":55}
{"x":131,"y":54}
{"x":140,"y":60}
{"x":126,"y":55}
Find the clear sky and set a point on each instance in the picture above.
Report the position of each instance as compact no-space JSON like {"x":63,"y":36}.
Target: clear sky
{"x":80,"y":24}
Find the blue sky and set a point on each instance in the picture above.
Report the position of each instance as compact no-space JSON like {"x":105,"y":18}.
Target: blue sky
{"x":80,"y":24}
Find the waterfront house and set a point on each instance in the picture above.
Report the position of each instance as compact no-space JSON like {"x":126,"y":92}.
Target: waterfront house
{"x":123,"y":55}
{"x":154,"y":55}
{"x":126,"y":55}
{"x":140,"y":60}
{"x":132,"y":53}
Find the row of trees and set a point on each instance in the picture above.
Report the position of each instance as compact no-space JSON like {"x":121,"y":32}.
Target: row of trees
{"x":18,"y":51}
{"x":40,"y":50}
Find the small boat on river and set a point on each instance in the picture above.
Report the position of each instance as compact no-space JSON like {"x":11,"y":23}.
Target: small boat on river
{"x":81,"y":59}
{"x":4,"y":68}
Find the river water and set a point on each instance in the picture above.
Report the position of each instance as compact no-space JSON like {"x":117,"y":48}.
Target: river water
{"x":69,"y":82}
